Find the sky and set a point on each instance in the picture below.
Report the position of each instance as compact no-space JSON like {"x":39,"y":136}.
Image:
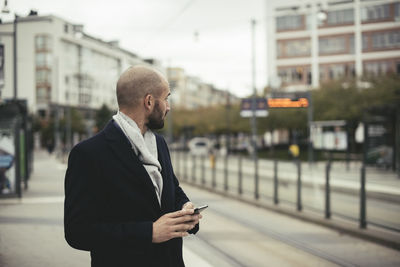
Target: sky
{"x":210,"y":39}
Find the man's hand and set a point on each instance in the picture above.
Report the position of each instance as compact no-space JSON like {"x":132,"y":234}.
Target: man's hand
{"x":190,"y":205}
{"x":174,"y":224}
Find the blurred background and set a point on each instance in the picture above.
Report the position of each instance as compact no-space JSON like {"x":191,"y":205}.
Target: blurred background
{"x":259,"y":89}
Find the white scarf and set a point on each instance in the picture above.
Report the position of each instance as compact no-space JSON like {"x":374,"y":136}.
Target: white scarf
{"x":145,"y":147}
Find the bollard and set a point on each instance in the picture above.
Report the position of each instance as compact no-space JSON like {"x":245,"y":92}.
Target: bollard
{"x":299,"y":206}
{"x":276,"y":198}
{"x":226,"y":173}
{"x":240,"y":190}
{"x":363,"y":221}
{"x":327,"y":190}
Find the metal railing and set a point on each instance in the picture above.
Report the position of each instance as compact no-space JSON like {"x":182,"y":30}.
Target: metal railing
{"x":282,"y":182}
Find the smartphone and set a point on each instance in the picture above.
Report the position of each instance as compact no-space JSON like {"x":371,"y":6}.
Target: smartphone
{"x":200,"y":209}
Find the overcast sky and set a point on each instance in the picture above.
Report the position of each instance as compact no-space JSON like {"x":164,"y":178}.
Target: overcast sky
{"x":220,"y":52}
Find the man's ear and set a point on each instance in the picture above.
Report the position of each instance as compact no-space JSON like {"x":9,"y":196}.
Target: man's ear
{"x":148,"y":102}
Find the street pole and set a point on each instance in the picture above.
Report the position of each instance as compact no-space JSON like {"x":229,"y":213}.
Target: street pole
{"x":15,"y":57}
{"x":253,"y":107}
{"x":170,"y":117}
{"x":310,"y":120}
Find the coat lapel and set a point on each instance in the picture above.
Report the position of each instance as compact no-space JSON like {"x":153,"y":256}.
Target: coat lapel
{"x":161,"y":159}
{"x":122,"y":149}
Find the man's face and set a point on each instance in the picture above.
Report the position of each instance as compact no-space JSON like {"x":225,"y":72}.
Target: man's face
{"x":161,"y":108}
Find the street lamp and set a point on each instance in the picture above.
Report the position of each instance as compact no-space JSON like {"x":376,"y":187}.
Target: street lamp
{"x":6,"y":10}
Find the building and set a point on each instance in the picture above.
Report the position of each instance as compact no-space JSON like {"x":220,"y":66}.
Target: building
{"x":313,"y":41}
{"x":190,"y":92}
{"x":58,"y":65}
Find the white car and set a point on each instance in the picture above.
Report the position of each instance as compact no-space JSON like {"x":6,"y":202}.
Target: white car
{"x":199,"y":146}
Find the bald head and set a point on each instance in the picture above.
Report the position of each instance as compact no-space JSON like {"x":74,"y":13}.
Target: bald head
{"x":135,"y":83}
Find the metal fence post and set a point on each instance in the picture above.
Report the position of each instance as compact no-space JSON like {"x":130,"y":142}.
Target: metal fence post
{"x":194,"y":168}
{"x":203,"y":179}
{"x":185,"y":162}
{"x":256,"y":179}
{"x":299,"y":205}
{"x":226,"y":173}
{"x":213,"y":182}
{"x":17,"y":159}
{"x":240,"y":190}
{"x":363,"y":221}
{"x":327,"y":190}
{"x":276,"y":197}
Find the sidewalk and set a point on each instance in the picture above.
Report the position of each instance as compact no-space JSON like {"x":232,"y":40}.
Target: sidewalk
{"x":31,"y":228}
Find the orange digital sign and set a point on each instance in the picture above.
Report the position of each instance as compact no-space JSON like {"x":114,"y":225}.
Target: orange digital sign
{"x":287,"y":103}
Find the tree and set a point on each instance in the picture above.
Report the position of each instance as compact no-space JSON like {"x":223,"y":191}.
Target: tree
{"x":103,"y":115}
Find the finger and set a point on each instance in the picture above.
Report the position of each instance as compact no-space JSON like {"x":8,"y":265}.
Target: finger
{"x":188,"y":205}
{"x":180,"y":213}
{"x":179,"y":234}
{"x":182,"y":219}
{"x":182,"y":227}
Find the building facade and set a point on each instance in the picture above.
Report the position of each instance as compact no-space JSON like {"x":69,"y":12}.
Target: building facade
{"x":313,"y":41}
{"x":190,"y":92}
{"x":58,"y":65}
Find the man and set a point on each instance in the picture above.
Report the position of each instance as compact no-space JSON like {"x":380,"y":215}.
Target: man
{"x":123,"y":202}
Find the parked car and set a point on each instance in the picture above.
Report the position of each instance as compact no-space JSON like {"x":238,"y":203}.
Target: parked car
{"x":199,"y":146}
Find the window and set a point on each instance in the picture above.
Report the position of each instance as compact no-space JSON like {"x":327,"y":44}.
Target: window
{"x":397,"y":11}
{"x":294,"y":74}
{"x":333,"y":45}
{"x":289,"y":22}
{"x":298,"y":48}
{"x":365,"y":39}
{"x":43,"y":76}
{"x":43,"y":59}
{"x":378,"y":67}
{"x":43,"y":42}
{"x":294,"y":48}
{"x":374,"y":13}
{"x":42,"y":95}
{"x":337,"y":71}
{"x":386,"y":40}
{"x":337,"y":17}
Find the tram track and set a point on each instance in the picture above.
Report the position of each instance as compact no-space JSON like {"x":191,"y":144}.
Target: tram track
{"x":264,"y":230}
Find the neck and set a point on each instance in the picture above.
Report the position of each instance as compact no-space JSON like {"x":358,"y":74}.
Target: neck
{"x":139,"y":120}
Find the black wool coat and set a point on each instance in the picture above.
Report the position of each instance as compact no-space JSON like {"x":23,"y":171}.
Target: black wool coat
{"x":110,"y":203}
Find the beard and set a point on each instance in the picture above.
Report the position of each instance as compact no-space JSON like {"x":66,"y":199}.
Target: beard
{"x":156,"y":118}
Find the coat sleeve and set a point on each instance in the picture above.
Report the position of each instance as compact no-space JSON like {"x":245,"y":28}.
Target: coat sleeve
{"x":83,"y":206}
{"x":180,"y":196}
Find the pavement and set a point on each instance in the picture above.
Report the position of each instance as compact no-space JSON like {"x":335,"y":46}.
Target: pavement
{"x":31,"y":227}
{"x":233,"y":233}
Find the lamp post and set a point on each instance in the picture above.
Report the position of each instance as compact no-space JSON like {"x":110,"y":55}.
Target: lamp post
{"x":253,"y":108}
{"x":5,"y":10}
